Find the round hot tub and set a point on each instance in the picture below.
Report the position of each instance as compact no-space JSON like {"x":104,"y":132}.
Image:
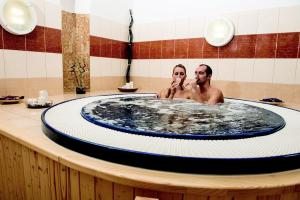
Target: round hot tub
{"x":178,"y":135}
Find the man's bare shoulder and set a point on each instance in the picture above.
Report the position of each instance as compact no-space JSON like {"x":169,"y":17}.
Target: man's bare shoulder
{"x":216,"y":95}
{"x":216,"y":90}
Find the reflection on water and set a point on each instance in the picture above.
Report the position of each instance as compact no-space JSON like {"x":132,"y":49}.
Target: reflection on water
{"x":147,"y":114}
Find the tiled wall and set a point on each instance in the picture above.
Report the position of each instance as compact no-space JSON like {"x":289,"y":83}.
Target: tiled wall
{"x":273,"y":45}
{"x":108,"y":42}
{"x":264,"y":50}
{"x":33,"y":62}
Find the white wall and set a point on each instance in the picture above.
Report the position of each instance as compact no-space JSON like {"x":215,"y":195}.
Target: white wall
{"x":259,"y":21}
{"x":146,"y":11}
{"x":114,"y":10}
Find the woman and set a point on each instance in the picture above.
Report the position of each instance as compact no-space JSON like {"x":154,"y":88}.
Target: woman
{"x":176,"y":90}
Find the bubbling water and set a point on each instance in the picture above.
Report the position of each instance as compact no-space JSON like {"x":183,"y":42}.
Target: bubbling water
{"x":180,"y":118}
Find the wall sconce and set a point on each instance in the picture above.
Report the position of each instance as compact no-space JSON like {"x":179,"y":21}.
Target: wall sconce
{"x":219,"y":32}
{"x":18,"y":16}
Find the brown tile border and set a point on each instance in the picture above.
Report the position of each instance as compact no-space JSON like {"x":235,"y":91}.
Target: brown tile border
{"x":144,"y":50}
{"x":195,"y":48}
{"x":45,"y":39}
{"x":95,"y":43}
{"x":53,"y":40}
{"x":287,"y":45}
{"x":273,"y":45}
{"x":1,"y":37}
{"x":13,"y":42}
{"x":35,"y":41}
{"x":155,"y":50}
{"x":136,"y":50}
{"x":230,"y":50}
{"x":246,"y":46}
{"x":210,"y":51}
{"x":115,"y":49}
{"x":168,"y":49}
{"x":105,"y":47}
{"x":266,"y":46}
{"x":181,"y":48}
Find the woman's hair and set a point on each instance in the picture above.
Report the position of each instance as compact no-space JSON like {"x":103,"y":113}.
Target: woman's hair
{"x":181,"y":66}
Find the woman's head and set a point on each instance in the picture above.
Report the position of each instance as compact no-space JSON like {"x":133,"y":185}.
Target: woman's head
{"x":179,"y":71}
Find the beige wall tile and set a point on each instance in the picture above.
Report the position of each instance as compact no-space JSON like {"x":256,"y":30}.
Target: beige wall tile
{"x":53,"y":14}
{"x":168,"y":30}
{"x":140,"y":68}
{"x":95,"y":28}
{"x":95,"y":63}
{"x":289,"y":19}
{"x":3,"y":87}
{"x":296,"y":94}
{"x":155,"y":68}
{"x":54,"y":66}
{"x":105,"y":66}
{"x":263,"y":70}
{"x":16,"y":86}
{"x":247,"y":22}
{"x":244,"y":70}
{"x":115,"y":31}
{"x":36,"y":64}
{"x":137,"y":31}
{"x":124,"y":33}
{"x":115,"y":68}
{"x":39,"y":6}
{"x":256,"y":91}
{"x":15,"y":64}
{"x":234,"y":18}
{"x":55,"y":86}
{"x":2,"y":70}
{"x":123,"y":67}
{"x":196,"y":27}
{"x":96,"y":83}
{"x":34,"y":85}
{"x":151,"y":84}
{"x":152,"y":31}
{"x":105,"y":27}
{"x":106,"y":83}
{"x":243,"y":90}
{"x":268,"y":21}
{"x":182,"y":28}
{"x":168,"y":65}
{"x":297,"y":77}
{"x":285,"y":71}
{"x":227,"y":69}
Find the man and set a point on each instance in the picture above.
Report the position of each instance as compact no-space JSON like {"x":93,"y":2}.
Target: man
{"x":200,"y":88}
{"x":176,"y":90}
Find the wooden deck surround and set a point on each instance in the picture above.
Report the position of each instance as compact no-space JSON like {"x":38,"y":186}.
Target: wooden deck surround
{"x":34,"y":167}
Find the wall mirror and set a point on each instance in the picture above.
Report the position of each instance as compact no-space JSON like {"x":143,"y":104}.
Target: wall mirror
{"x":219,"y":32}
{"x":18,"y":16}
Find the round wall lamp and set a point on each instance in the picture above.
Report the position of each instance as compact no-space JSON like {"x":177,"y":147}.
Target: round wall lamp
{"x":219,"y":32}
{"x":17,"y":16}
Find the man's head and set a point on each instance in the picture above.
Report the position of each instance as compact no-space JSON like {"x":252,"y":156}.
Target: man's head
{"x":179,"y":71}
{"x":203,"y":74}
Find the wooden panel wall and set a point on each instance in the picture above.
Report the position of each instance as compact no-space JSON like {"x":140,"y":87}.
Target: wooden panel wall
{"x":26,"y":175}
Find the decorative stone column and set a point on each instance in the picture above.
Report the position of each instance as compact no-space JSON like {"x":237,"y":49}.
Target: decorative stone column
{"x":75,"y":45}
